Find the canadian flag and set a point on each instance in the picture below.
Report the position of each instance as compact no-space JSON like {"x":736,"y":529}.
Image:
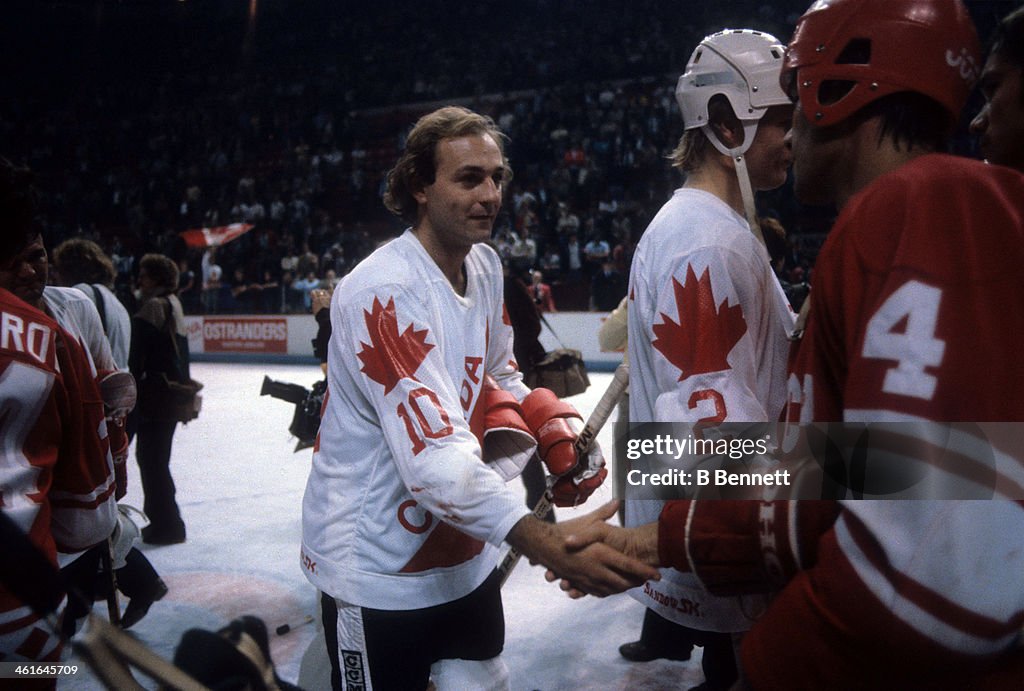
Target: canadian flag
{"x":214,"y":237}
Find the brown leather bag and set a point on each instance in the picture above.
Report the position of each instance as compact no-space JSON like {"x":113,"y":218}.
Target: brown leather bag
{"x":562,"y":371}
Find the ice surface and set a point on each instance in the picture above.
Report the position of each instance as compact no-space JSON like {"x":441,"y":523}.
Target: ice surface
{"x":240,"y":486}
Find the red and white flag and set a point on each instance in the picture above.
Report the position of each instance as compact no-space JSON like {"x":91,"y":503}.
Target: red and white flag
{"x":214,"y":237}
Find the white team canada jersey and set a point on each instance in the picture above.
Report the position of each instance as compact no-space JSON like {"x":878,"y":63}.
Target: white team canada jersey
{"x":708,"y":342}
{"x":116,"y":322}
{"x":74,"y":311}
{"x":399,"y":511}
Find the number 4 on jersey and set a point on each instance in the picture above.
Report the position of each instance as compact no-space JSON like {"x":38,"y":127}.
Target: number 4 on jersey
{"x":903,"y":329}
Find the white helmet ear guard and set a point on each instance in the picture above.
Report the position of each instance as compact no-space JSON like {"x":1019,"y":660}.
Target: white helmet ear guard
{"x":744,"y":66}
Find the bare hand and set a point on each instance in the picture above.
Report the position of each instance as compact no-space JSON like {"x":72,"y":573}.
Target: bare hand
{"x":595,"y":569}
{"x":321,"y":299}
{"x":639,"y":543}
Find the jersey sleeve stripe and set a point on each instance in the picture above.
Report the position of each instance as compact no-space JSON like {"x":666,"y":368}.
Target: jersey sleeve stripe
{"x":917,"y":604}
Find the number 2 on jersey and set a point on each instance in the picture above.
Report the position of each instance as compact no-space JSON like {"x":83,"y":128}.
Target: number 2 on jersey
{"x":915,"y":307}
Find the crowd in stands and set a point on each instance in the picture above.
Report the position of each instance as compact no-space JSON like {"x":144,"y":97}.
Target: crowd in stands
{"x":144,"y":120}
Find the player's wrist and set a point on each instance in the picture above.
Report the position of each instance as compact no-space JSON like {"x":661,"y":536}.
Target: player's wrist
{"x":644,"y":544}
{"x":533,"y":538}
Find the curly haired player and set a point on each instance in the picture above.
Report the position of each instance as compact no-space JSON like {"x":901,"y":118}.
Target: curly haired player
{"x":406,"y":503}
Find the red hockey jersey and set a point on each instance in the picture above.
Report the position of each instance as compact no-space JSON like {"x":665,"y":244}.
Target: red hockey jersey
{"x":56,"y":474}
{"x":916,"y":319}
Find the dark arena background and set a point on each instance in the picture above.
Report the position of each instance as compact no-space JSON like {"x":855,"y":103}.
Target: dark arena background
{"x":145,"y":119}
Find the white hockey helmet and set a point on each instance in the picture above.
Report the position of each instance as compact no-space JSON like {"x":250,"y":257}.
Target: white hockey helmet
{"x":741,"y":64}
{"x":744,"y":66}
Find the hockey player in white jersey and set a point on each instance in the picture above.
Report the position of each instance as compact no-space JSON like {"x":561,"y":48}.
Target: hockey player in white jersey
{"x":403,"y":513}
{"x":709,"y":321}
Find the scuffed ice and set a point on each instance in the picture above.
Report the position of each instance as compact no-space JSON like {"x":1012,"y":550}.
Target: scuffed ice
{"x":240,"y":488}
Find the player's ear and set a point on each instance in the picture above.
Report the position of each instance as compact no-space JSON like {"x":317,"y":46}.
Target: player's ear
{"x":726,"y":126}
{"x":418,"y":190}
{"x":729,"y":131}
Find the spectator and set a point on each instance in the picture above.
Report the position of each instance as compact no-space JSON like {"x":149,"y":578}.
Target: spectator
{"x":540,"y":292}
{"x":523,"y":254}
{"x":245,"y":295}
{"x":329,"y":282}
{"x":212,"y":273}
{"x":572,"y":262}
{"x":551,"y":262}
{"x":307,"y":263}
{"x":595,"y":253}
{"x":622,"y":253}
{"x":607,"y":287}
{"x":188,"y":291}
{"x":567,"y":222}
{"x":270,"y":295}
{"x":159,"y":350}
{"x":302,"y":287}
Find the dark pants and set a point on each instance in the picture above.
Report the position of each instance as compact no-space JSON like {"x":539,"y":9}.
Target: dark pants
{"x":719,"y":661}
{"x":137,"y":578}
{"x":80,"y":576}
{"x":153,"y":453}
{"x":87,"y":581}
{"x":659,"y":633}
{"x":401,"y":645}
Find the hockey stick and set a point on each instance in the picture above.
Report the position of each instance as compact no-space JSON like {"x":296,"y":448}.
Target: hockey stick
{"x":112,"y":653}
{"x":602,"y":411}
{"x":286,"y":628}
{"x":31,"y":578}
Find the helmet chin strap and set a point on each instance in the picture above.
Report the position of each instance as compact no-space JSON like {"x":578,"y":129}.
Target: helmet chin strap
{"x":742,"y":175}
{"x":747,"y":192}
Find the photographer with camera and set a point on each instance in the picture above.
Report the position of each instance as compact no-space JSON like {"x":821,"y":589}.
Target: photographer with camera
{"x":306,"y":419}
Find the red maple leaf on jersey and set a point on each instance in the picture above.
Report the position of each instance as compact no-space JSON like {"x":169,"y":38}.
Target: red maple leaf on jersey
{"x":705,"y":334}
{"x":390,"y":357}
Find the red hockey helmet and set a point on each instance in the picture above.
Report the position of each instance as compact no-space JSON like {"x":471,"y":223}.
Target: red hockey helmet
{"x":873,"y":48}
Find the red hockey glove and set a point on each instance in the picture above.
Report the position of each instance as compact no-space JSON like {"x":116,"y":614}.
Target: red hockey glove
{"x":119,"y":393}
{"x":549,"y":419}
{"x":506,"y":441}
{"x":556,"y":425}
{"x":738,"y":547}
{"x":573,"y":490}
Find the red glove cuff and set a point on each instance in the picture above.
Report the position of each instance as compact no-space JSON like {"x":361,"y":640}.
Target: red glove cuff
{"x":548,"y":418}
{"x":672,"y":534}
{"x":506,"y":441}
{"x":739,"y":547}
{"x":567,"y":492}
